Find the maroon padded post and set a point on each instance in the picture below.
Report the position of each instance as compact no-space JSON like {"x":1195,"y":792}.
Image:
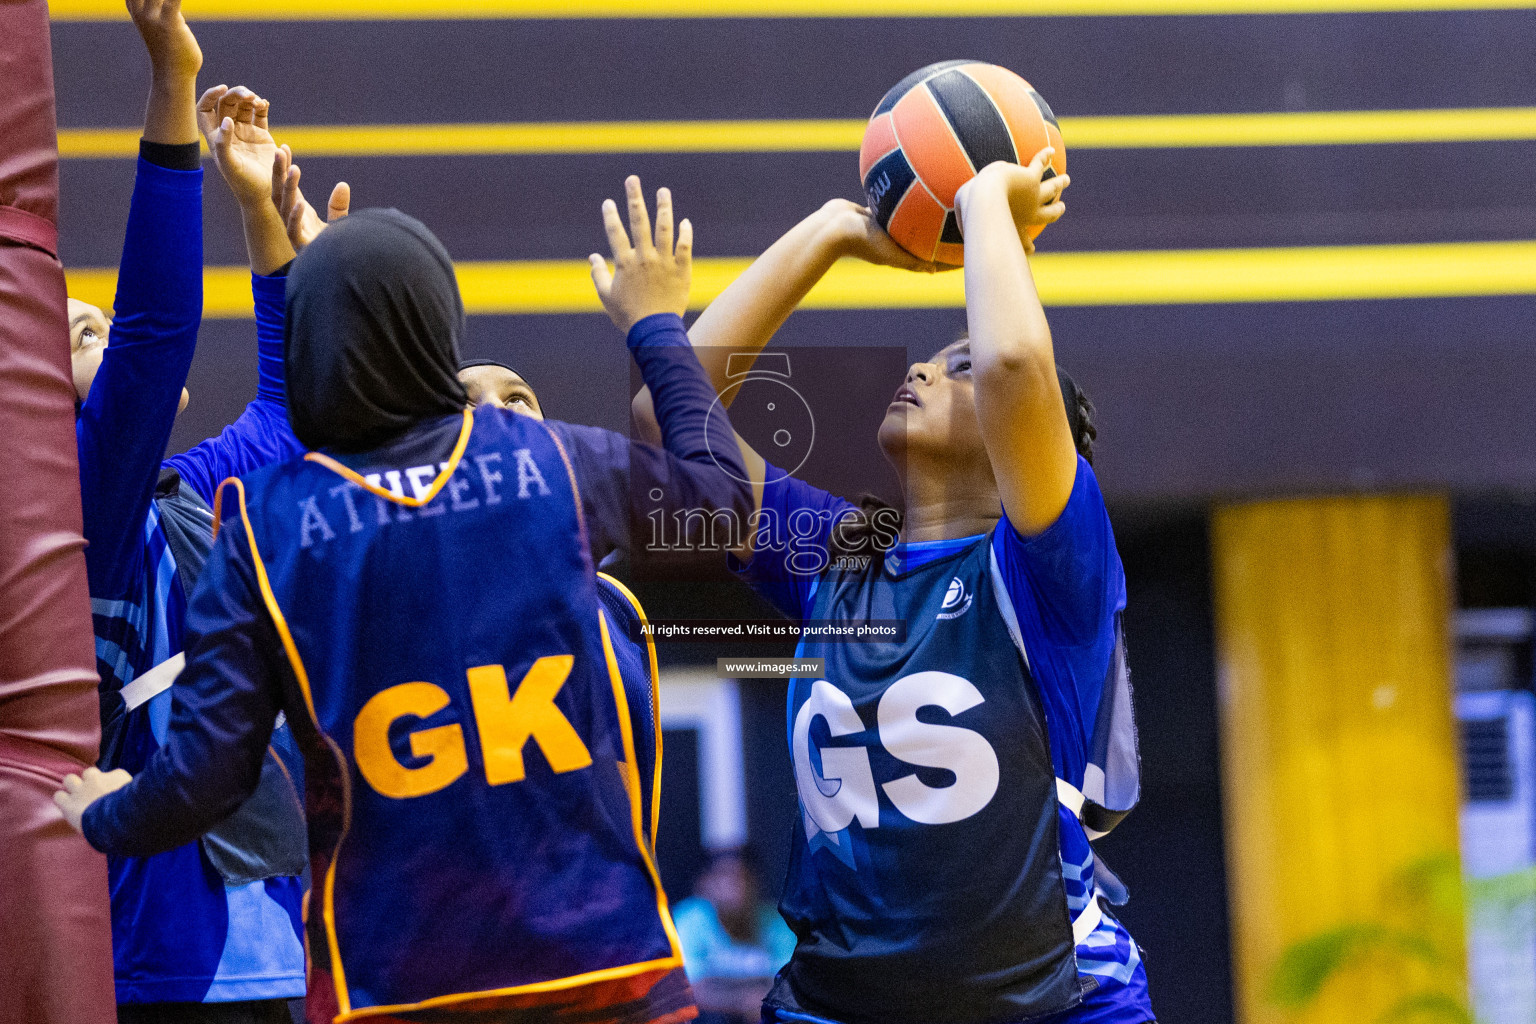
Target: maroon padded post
{"x":55,"y":929}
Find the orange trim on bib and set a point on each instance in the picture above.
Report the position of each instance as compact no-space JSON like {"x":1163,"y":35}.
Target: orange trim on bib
{"x":328,"y":906}
{"x":559,"y":984}
{"x":570,"y":472}
{"x":320,"y":458}
{"x":626,"y":726}
{"x":650,"y":650}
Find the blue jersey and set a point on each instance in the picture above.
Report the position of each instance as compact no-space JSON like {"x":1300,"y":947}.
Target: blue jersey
{"x":1001,"y":724}
{"x":187,"y":925}
{"x":473,"y":777}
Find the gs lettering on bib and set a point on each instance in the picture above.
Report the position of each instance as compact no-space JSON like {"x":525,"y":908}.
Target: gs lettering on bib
{"x":475,"y":719}
{"x":925,"y":875}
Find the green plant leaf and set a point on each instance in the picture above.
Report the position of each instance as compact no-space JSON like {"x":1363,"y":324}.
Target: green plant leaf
{"x":1306,"y":966}
{"x":1431,"y":884}
{"x":1425,"y":1007}
{"x":1309,"y":964}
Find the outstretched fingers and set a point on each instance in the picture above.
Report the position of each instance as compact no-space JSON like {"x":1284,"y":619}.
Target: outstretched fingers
{"x":664,"y":220}
{"x":602,"y":277}
{"x":280,"y":162}
{"x":639,"y":217}
{"x":292,"y":207}
{"x":618,"y":239}
{"x":685,"y":241}
{"x":340,"y":203}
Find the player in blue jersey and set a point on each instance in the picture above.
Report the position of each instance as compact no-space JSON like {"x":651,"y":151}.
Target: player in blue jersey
{"x":475,"y":819}
{"x":950,"y":783}
{"x":209,"y":930}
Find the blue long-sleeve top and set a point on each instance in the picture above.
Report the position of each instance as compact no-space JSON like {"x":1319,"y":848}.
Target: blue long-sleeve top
{"x":237,"y":677}
{"x":172,"y":924}
{"x":126,"y":419}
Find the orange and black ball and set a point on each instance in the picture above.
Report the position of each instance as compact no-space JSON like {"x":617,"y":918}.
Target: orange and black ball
{"x":932,"y":132}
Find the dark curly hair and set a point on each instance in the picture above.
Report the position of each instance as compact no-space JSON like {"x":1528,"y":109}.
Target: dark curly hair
{"x":1079,"y":414}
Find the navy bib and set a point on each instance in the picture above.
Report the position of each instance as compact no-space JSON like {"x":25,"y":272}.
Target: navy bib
{"x":481,"y":834}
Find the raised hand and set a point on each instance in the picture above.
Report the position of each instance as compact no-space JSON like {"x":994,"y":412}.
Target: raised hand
{"x":1033,"y":199}
{"x":653,"y":274}
{"x":173,"y":49}
{"x":80,"y":791}
{"x":175,"y":58}
{"x":300,"y":219}
{"x":234,"y":121}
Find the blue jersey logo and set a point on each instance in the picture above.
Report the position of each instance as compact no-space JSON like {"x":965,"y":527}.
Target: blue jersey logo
{"x":957,"y":600}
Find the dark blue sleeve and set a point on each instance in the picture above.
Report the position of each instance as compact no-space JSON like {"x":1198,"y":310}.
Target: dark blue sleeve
{"x":694,"y":491}
{"x":270,"y":292}
{"x":694,"y":425}
{"x":634,"y":494}
{"x":261,"y":435}
{"x":1067,"y":588}
{"x":126,"y":418}
{"x":791,"y":545}
{"x":223,"y":708}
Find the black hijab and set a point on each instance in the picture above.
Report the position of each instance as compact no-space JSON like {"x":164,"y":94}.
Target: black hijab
{"x":371,"y":341}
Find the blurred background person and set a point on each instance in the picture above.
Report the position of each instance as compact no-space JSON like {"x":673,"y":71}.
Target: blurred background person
{"x":733,"y":939}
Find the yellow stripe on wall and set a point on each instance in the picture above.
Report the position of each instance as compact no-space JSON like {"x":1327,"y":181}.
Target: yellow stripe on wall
{"x":1154,"y":131}
{"x":1158,"y":277}
{"x":524,"y":138}
{"x":333,"y":10}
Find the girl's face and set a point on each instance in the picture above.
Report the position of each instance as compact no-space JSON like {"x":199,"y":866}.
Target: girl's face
{"x":934,"y":410}
{"x":499,"y":386}
{"x":88,"y":331}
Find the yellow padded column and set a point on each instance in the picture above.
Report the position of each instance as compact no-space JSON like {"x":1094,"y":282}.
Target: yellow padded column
{"x":1340,"y":768}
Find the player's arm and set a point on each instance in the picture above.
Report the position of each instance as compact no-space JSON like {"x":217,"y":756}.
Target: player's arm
{"x":127,"y":416}
{"x":235,"y":123}
{"x":223,"y":708}
{"x":643,"y":284}
{"x":174,"y":59}
{"x":645,"y":295}
{"x":744,"y":318}
{"x":1018,"y":398}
